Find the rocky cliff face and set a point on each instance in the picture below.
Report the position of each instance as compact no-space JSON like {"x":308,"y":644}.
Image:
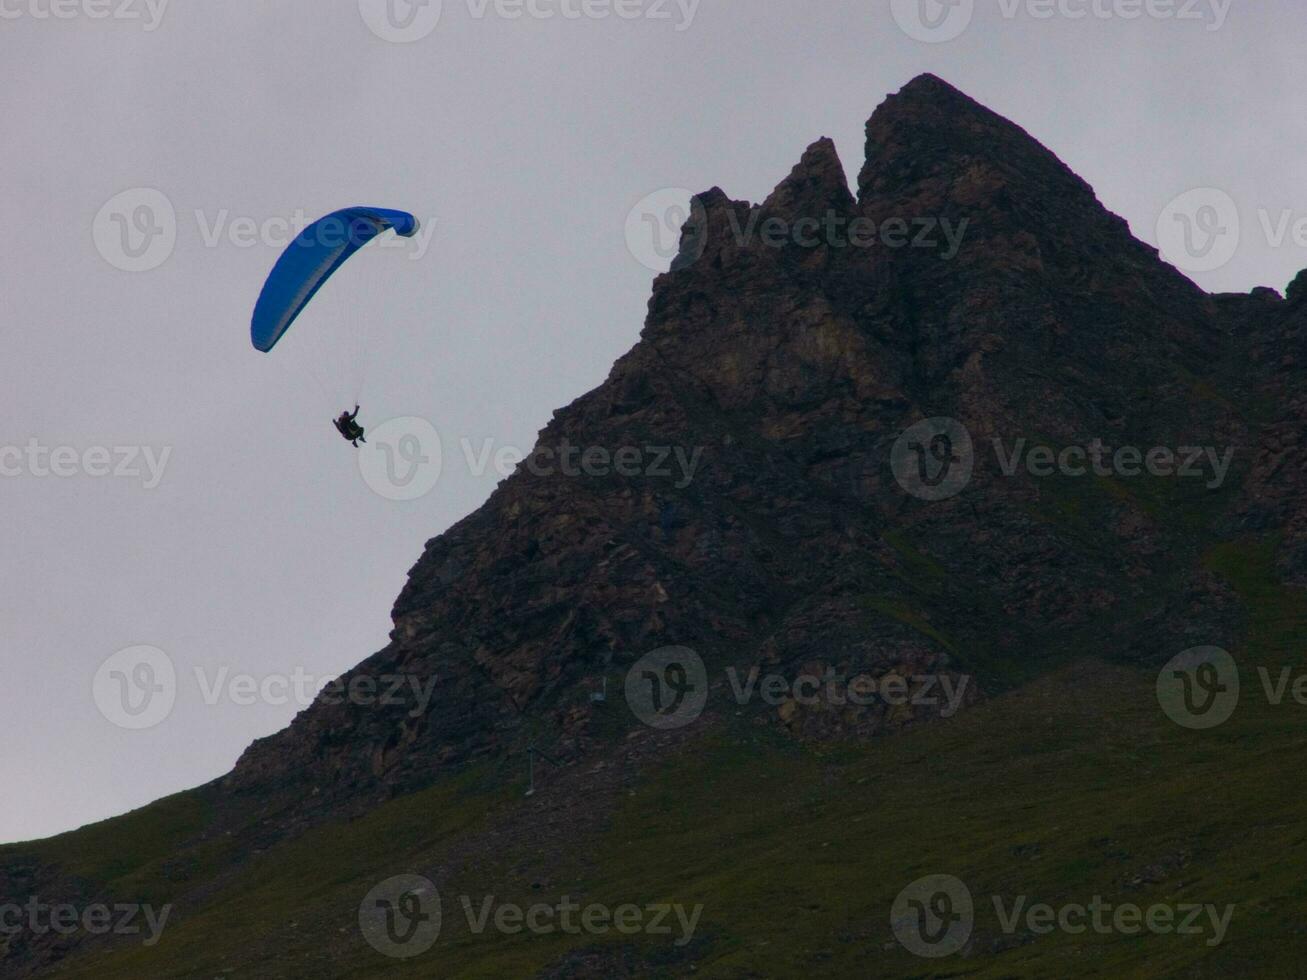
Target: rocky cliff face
{"x":897,"y":433}
{"x":973,"y":277}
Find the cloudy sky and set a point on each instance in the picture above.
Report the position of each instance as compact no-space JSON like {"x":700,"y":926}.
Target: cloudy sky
{"x":169,"y":488}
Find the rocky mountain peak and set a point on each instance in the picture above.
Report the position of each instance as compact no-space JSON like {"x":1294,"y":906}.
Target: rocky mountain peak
{"x":929,"y":130}
{"x":756,"y":516}
{"x":816,"y":185}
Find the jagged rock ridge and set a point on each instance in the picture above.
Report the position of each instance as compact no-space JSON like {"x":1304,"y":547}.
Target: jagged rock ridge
{"x":787,"y":368}
{"x":973,"y":276}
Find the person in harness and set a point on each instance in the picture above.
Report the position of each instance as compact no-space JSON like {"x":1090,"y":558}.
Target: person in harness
{"x":348,"y":427}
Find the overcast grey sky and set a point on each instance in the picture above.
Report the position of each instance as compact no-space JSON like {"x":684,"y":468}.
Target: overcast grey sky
{"x":256,"y":546}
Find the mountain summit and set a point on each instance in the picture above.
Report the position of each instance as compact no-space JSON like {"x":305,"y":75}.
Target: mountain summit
{"x":761,"y":515}
{"x":974,"y":277}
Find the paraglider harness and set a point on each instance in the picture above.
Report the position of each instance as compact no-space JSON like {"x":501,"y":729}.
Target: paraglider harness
{"x":349,"y":428}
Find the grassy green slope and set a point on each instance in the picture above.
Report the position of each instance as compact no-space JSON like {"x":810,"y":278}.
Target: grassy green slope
{"x":1071,"y":787}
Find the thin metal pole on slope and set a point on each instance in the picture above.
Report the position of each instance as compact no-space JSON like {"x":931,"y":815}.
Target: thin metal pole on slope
{"x":531,"y":753}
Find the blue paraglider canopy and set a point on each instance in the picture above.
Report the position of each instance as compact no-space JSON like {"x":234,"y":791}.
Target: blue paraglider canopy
{"x":311,"y":259}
